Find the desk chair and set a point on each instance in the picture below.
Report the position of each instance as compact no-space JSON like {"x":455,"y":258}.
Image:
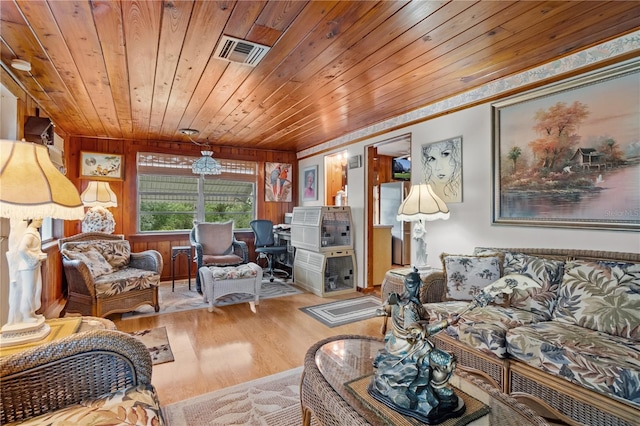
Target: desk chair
{"x":264,"y":243}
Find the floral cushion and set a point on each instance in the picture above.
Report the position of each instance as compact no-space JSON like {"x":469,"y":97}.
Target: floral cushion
{"x":601,"y":362}
{"x":602,"y":296}
{"x":136,"y":405}
{"x":116,"y":252}
{"x":232,"y":272}
{"x":466,"y":275}
{"x":484,"y":329}
{"x":95,"y":261}
{"x":125,"y":280}
{"x":547,"y":272}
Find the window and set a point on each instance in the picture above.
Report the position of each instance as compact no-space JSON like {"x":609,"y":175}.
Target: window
{"x":172,"y":198}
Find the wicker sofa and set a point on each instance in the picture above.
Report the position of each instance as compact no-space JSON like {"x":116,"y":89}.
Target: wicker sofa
{"x":570,"y":349}
{"x":88,"y":378}
{"x":105,"y":277}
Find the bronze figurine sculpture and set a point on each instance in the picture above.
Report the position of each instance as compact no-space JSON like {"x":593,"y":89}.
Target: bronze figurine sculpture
{"x":411,"y":374}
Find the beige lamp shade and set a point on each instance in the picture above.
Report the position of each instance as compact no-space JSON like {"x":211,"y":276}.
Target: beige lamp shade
{"x":422,"y":204}
{"x":32,"y":187}
{"x":99,"y":194}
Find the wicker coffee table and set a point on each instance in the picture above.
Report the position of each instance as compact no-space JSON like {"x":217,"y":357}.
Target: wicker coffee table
{"x":332,"y":365}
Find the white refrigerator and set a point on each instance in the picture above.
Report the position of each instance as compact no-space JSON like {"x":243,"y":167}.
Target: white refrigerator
{"x":391,"y":196}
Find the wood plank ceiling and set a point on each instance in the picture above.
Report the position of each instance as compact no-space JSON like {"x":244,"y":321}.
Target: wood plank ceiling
{"x":144,"y":69}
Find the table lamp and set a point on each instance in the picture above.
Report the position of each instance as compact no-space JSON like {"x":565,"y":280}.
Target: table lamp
{"x":99,"y":196}
{"x":422,"y":204}
{"x":31,"y":188}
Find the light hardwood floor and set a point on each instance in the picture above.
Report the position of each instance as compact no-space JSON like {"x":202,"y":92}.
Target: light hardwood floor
{"x":233,"y":345}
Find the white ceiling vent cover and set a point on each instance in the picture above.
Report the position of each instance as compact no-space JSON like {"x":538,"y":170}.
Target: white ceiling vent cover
{"x":242,"y":51}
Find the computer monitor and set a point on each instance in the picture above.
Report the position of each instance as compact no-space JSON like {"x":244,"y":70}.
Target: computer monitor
{"x":287,"y":218}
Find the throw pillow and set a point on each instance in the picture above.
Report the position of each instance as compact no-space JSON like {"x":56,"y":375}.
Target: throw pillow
{"x":467,"y":275}
{"x":96,"y":263}
{"x":546,"y":272}
{"x":602,"y":296}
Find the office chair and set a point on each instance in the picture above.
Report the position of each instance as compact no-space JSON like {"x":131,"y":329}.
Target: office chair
{"x":264,"y":244}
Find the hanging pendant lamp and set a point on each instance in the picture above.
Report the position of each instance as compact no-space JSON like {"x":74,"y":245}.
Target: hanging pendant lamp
{"x":206,"y":165}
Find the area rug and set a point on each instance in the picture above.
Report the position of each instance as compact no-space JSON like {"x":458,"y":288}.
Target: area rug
{"x":341,"y":312}
{"x":272,"y":400}
{"x":157,"y":342}
{"x":183,"y":299}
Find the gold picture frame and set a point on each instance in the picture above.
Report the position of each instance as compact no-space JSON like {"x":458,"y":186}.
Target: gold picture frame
{"x":101,"y":166}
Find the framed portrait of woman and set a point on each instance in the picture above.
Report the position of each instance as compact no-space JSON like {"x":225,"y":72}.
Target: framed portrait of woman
{"x":442,"y":168}
{"x":310,"y":184}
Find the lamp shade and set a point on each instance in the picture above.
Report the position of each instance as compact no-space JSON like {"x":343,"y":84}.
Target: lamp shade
{"x":206,"y":165}
{"x":99,"y":194}
{"x":422,"y":204}
{"x":32,"y":187}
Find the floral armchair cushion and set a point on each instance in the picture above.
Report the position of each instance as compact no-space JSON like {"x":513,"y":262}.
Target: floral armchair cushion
{"x":602,"y":296}
{"x":467,"y":275}
{"x":116,"y":252}
{"x":136,"y":405}
{"x":94,"y":260}
{"x":233,"y":272}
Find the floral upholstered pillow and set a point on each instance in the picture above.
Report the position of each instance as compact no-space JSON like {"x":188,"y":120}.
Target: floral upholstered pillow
{"x":602,"y":296}
{"x":467,"y":275}
{"x":546,"y":272}
{"x":96,"y":262}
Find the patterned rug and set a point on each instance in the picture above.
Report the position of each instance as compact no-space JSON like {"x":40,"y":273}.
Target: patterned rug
{"x":183,"y":299}
{"x":272,"y":400}
{"x":341,"y":312}
{"x":157,"y":342}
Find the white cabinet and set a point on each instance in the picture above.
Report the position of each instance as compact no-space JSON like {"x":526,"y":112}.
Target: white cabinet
{"x":324,"y":261}
{"x":330,"y":272}
{"x":322,"y":228}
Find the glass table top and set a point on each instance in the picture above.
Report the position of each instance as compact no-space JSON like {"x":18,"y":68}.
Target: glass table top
{"x":345,"y":359}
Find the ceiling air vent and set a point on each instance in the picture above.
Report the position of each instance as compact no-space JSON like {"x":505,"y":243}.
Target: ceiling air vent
{"x":242,"y":51}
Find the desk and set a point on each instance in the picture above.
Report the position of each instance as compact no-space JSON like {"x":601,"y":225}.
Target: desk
{"x":175,"y":252}
{"x":331,"y":364}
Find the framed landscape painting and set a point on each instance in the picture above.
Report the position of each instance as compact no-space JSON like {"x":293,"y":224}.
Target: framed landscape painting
{"x":568,"y":155}
{"x":99,"y":166}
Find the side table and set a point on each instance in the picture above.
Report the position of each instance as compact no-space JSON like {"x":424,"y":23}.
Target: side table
{"x":332,"y":364}
{"x":175,"y":252}
{"x":432,"y":283}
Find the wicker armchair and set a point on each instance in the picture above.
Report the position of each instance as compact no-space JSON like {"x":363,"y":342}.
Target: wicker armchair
{"x":132,"y":281}
{"x":216,"y":245}
{"x":58,"y":375}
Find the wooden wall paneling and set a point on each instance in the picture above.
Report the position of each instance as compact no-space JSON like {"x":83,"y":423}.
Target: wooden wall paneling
{"x":51,"y":270}
{"x":385,"y":165}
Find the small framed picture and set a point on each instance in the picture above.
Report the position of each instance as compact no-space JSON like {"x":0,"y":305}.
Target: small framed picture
{"x":310,"y":184}
{"x":98,"y":166}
